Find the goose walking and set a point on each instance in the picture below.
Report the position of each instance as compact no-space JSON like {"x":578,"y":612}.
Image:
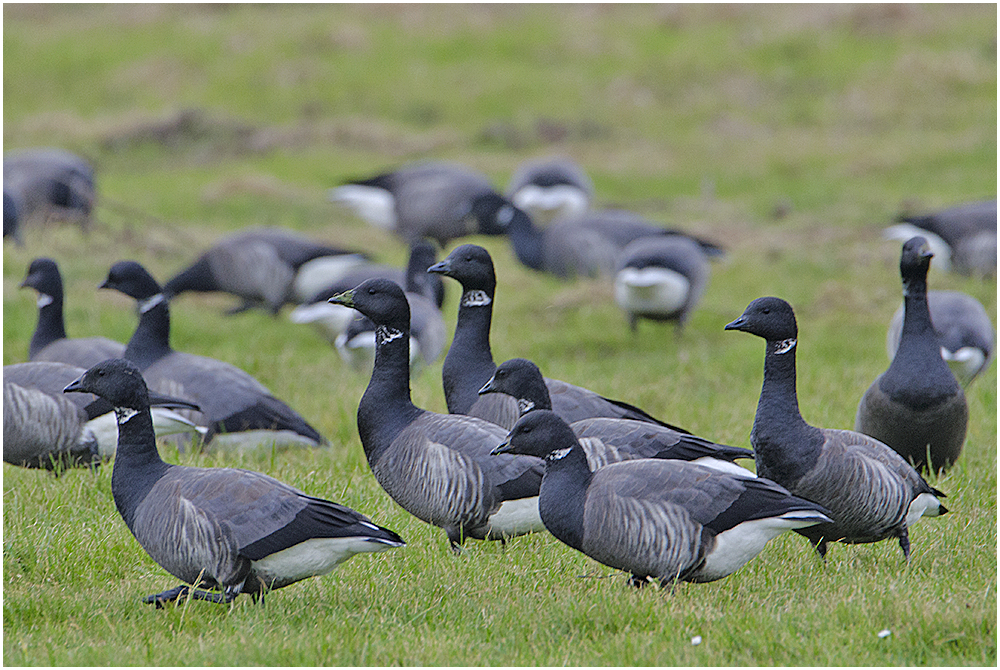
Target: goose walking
{"x":230,"y":531}
{"x":661,"y":519}
{"x":435,"y":466}
{"x":871,"y":493}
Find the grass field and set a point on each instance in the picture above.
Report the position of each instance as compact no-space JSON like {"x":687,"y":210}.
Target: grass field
{"x":792,"y":134}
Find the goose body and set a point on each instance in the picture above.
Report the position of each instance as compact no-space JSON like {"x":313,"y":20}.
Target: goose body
{"x":606,"y":440}
{"x":871,"y":493}
{"x":420,"y":200}
{"x":469,"y":361}
{"x":661,"y":519}
{"x":550,"y":188}
{"x":963,"y":328}
{"x":233,"y":531}
{"x":48,"y":183}
{"x":962,"y":237}
{"x":267,"y":267}
{"x":49,"y":341}
{"x":435,"y":466}
{"x":917,"y":407}
{"x":238,"y":411}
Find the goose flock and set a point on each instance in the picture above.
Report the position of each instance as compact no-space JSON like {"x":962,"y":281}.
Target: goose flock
{"x":517,"y":452}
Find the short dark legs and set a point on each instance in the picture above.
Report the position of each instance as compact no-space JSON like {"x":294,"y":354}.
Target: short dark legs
{"x":184,"y":591}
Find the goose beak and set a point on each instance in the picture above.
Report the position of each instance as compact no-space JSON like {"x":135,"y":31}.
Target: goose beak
{"x":104,"y":284}
{"x":503,"y":448}
{"x":487,"y":387}
{"x":346,"y":299}
{"x":440,"y":268}
{"x":737,"y":324}
{"x":76,"y":386}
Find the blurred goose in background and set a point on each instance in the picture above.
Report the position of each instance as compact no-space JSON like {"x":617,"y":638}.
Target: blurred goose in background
{"x":608,"y":440}
{"x":332,"y":321}
{"x":232,"y":531}
{"x":469,"y":362}
{"x":917,"y":407}
{"x":661,"y":279}
{"x":46,"y":184}
{"x":587,"y":246}
{"x":656,"y":519}
{"x":550,"y":188}
{"x":963,"y":238}
{"x":435,"y":466}
{"x":871,"y":493}
{"x":10,"y":228}
{"x":963,"y":328}
{"x":421,"y":200}
{"x":42,"y":428}
{"x":264,"y":267}
{"x":238,"y":410}
{"x":49,"y":341}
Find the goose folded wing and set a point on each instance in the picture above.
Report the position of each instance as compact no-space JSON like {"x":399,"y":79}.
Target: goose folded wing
{"x":643,"y":439}
{"x":575,"y":403}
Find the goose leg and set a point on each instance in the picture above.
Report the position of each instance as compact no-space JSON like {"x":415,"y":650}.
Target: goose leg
{"x":184,"y":591}
{"x":169,"y":596}
{"x":904,"y":543}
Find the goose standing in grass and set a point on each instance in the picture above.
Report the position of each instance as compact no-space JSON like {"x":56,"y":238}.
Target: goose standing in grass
{"x":49,"y":341}
{"x":238,"y":410}
{"x":608,"y":440}
{"x":49,"y":184}
{"x":917,"y":407}
{"x":10,"y":218}
{"x":661,"y":519}
{"x":421,"y":200}
{"x":469,"y":362}
{"x":587,"y":246}
{"x":661,"y":279}
{"x":231,"y":531}
{"x":264,"y":267}
{"x":550,"y":188}
{"x":435,"y":466}
{"x":963,"y":237}
{"x":963,"y":328}
{"x":870,"y":491}
{"x":42,"y":428}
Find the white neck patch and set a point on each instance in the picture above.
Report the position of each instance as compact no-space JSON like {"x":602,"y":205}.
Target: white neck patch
{"x":505,"y":215}
{"x":385,"y":335}
{"x":124,"y":414}
{"x":44,"y":300}
{"x":524,"y":406}
{"x":150,"y":303}
{"x":560,"y":454}
{"x":476,"y":298}
{"x":785,"y":346}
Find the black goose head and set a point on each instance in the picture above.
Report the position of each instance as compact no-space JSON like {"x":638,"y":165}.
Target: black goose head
{"x":381,"y":300}
{"x":914,"y":262}
{"x":495,"y":213}
{"x":471,"y":266}
{"x":43,"y":276}
{"x":541,"y":433}
{"x":521,"y":379}
{"x":116,"y":380}
{"x":770,"y":318}
{"x":132,"y":279}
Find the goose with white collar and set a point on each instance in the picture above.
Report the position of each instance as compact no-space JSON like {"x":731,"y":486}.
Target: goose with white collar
{"x":49,"y":341}
{"x":963,"y":328}
{"x":429,"y":199}
{"x":238,"y":410}
{"x":550,"y":188}
{"x":231,"y":531}
{"x":435,"y":466}
{"x":655,"y":519}
{"x":469,"y":361}
{"x":607,"y":440}
{"x":871,"y":492}
{"x":42,"y":428}
{"x":917,"y":407}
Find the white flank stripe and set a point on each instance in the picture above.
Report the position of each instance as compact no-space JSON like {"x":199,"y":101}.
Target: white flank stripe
{"x":317,"y":556}
{"x":515,"y":517}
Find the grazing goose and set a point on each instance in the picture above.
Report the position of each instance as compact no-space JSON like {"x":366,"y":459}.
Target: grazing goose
{"x":608,"y":440}
{"x":266,"y":267}
{"x":662,"y":519}
{"x":917,"y":407}
{"x":550,"y":188}
{"x":233,"y":531}
{"x":332,"y":321}
{"x":963,"y":237}
{"x":587,"y":246}
{"x":963,"y":328}
{"x":421,"y":200}
{"x":469,"y":362}
{"x":238,"y":410}
{"x":49,"y":342}
{"x":870,"y":491}
{"x":49,"y":184}
{"x":436,"y":466}
{"x":660,"y":279}
{"x":42,"y":428}
{"x":10,"y":219}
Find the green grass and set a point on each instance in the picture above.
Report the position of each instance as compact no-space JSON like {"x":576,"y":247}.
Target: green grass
{"x":707,"y":117}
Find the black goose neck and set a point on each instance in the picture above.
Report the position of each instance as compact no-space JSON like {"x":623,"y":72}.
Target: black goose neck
{"x":386,"y":406}
{"x":469,"y":362}
{"x":526,"y":240}
{"x":137,"y":465}
{"x":151,"y":340}
{"x":563,"y":493}
{"x":51,"y":325}
{"x":198,"y":277}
